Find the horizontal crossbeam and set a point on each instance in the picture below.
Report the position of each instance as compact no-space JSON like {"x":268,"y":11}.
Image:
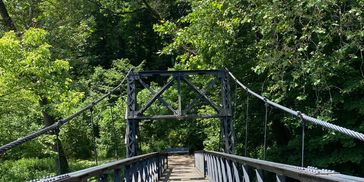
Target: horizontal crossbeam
{"x":182,"y":73}
{"x":179,"y":117}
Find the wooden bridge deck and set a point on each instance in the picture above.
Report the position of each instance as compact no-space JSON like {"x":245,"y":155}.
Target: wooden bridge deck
{"x":181,"y":168}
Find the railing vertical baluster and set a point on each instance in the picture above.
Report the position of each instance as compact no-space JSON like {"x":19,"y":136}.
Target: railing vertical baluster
{"x":159,"y":164}
{"x":139,"y":171}
{"x":154,"y":170}
{"x":117,"y":177}
{"x":127,"y":173}
{"x":167,"y":161}
{"x":205,"y":165}
{"x":207,"y":157}
{"x":214,"y":169}
{"x":142,"y":164}
{"x":219,"y":168}
{"x":209,"y":168}
{"x":259,"y":174}
{"x":228,"y":170}
{"x":223,"y":170}
{"x":245,"y":173}
{"x":151,"y":170}
{"x":143,"y":170}
{"x":134,"y":173}
{"x":280,"y":178}
{"x":236,"y":172}
{"x":147,"y":170}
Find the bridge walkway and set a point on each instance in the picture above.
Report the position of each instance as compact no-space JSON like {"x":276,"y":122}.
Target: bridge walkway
{"x":182,"y":168}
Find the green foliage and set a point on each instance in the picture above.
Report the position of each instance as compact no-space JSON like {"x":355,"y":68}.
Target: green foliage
{"x":26,"y":169}
{"x":29,"y":75}
{"x":108,"y":124}
{"x":307,"y":55}
{"x":81,"y":164}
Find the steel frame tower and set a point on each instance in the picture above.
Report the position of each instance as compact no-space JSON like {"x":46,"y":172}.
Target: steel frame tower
{"x":136,"y":113}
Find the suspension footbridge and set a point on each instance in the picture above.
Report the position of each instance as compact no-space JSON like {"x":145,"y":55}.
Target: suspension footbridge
{"x":203,"y":165}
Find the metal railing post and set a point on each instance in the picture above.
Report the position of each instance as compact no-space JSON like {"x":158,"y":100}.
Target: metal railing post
{"x":127,"y":173}
{"x":259,"y":174}
{"x":117,"y":177}
{"x":245,"y":173}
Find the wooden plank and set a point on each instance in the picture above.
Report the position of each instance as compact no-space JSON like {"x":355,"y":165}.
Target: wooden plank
{"x":181,"y":168}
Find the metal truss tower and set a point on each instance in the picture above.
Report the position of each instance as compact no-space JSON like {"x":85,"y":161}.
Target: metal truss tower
{"x":136,"y":112}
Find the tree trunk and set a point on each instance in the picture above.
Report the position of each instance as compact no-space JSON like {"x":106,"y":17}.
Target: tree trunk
{"x":6,"y":18}
{"x":62,"y":163}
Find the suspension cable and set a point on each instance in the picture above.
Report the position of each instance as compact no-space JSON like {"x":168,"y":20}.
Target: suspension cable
{"x":56,"y":131}
{"x":302,"y":140}
{"x":93,"y":134}
{"x":234,"y":108}
{"x":246,"y":125}
{"x":113,"y":130}
{"x":313,"y":120}
{"x":61,"y":122}
{"x":265,"y":129}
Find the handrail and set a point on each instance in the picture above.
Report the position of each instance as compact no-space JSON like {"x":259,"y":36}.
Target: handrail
{"x":236,"y":168}
{"x":61,"y":122}
{"x":142,"y":167}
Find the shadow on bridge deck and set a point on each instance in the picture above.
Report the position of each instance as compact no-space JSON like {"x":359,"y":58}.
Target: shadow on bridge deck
{"x":181,"y":168}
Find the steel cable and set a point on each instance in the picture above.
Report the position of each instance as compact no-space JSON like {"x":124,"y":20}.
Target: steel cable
{"x":93,"y":133}
{"x":302,"y":142}
{"x":113,"y":130}
{"x":246,"y":126}
{"x":265,"y":129}
{"x":59,"y":123}
{"x":59,"y":171}
{"x":315,"y":121}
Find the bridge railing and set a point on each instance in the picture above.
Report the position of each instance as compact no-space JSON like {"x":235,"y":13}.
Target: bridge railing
{"x":200,"y":162}
{"x":148,"y":167}
{"x":227,"y":167}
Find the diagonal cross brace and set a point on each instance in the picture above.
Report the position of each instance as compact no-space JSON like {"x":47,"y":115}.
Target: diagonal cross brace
{"x":217,"y":108}
{"x":159,"y":98}
{"x":204,"y":91}
{"x":155,"y":97}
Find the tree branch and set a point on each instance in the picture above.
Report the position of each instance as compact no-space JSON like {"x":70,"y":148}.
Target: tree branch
{"x":153,"y":11}
{"x":6,"y":18}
